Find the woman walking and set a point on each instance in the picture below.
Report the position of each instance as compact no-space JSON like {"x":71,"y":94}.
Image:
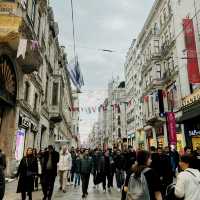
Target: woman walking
{"x":143,"y":182}
{"x":26,"y":172}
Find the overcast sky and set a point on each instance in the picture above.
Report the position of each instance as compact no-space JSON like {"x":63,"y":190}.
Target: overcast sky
{"x":99,"y":24}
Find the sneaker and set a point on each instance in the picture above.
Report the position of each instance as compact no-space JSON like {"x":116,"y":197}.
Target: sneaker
{"x":83,"y":196}
{"x":118,"y":189}
{"x":64,"y":191}
{"x":104,"y":191}
{"x":60,"y":188}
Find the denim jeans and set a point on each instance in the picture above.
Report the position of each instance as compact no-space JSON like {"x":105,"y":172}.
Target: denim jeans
{"x":77,"y":179}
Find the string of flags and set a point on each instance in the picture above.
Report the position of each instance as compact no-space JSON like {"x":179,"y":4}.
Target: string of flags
{"x":22,"y":47}
{"x":94,"y":109}
{"x":163,"y":94}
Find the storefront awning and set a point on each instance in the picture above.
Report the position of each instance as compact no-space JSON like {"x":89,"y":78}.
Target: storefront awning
{"x":190,"y":113}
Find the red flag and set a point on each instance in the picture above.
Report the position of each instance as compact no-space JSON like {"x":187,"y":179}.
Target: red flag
{"x":190,"y":44}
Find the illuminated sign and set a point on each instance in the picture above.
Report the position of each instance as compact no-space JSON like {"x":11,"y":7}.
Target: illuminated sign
{"x":191,"y":98}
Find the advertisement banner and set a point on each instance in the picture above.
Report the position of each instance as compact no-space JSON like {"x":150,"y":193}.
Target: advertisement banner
{"x":171,"y":127}
{"x":20,"y":138}
{"x":190,"y":45}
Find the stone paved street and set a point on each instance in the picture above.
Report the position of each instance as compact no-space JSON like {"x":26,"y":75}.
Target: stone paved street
{"x":71,"y":194}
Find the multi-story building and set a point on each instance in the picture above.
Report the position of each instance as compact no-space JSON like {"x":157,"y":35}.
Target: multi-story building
{"x":135,"y":128}
{"x":157,"y":69}
{"x":34,"y":83}
{"x":76,"y":115}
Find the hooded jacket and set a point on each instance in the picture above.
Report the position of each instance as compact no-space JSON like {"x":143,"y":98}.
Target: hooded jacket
{"x":188,"y":185}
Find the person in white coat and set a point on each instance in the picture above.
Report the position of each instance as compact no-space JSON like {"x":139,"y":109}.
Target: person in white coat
{"x":64,"y":167}
{"x":188,"y":181}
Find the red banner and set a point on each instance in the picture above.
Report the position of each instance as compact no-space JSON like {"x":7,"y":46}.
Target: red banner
{"x":190,"y":44}
{"x":171,"y":127}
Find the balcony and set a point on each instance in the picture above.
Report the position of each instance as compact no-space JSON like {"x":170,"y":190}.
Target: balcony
{"x":153,"y":119}
{"x":12,"y":28}
{"x":166,"y":47}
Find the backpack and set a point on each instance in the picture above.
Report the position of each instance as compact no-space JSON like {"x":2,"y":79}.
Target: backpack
{"x":138,"y":188}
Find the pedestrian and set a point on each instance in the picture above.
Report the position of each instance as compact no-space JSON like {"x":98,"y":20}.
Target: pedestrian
{"x":26,"y":172}
{"x":77,"y":175}
{"x":2,"y":175}
{"x":64,"y":167}
{"x":49,"y":171}
{"x":107,"y":171}
{"x":174,"y":157}
{"x":165,"y":172}
{"x":73,"y":156}
{"x":188,"y":150}
{"x":119,"y":167}
{"x":188,"y":181}
{"x":143,"y":183}
{"x":85,"y":170}
{"x":130,"y":157}
{"x":196,"y":154}
{"x":98,"y":168}
{"x":36,"y":176}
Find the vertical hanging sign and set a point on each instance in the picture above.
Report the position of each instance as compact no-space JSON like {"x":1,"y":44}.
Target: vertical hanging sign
{"x":190,"y":44}
{"x":171,"y":127}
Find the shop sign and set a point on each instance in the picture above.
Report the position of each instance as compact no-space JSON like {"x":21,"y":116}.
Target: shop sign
{"x":8,"y":7}
{"x":192,"y":98}
{"x":194,"y":133}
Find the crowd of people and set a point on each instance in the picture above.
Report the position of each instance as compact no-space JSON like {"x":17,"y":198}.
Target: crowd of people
{"x":140,"y":175}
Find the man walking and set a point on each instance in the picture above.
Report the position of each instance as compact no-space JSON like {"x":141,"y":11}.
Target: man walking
{"x":49,"y":172}
{"x":85,"y":170}
{"x":2,"y":176}
{"x":64,"y":167}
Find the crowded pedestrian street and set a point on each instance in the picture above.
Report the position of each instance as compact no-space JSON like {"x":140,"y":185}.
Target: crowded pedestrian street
{"x":71,"y":193}
{"x":99,"y":99}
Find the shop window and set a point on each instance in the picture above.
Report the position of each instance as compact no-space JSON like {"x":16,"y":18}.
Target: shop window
{"x":26,"y":91}
{"x":55,"y":94}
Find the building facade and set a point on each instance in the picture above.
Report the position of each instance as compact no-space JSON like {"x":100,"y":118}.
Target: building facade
{"x":161,"y":56}
{"x":34,"y":83}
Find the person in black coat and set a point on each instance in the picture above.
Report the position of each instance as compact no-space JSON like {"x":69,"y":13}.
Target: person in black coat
{"x":26,"y":172}
{"x":2,"y":176}
{"x":119,"y":166}
{"x":49,"y":171}
{"x":130,"y":157}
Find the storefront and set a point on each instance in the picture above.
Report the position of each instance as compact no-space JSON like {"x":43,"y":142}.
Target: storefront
{"x":149,"y":136}
{"x":141,"y":139}
{"x":160,"y":136}
{"x":191,"y":119}
{"x":131,"y":139}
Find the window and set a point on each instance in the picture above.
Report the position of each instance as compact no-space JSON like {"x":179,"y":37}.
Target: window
{"x":119,"y":132}
{"x":55,"y":94}
{"x":47,"y":86}
{"x":35,"y":102}
{"x":31,"y":10}
{"x":26,"y":91}
{"x":39,"y":26}
{"x":158,"y":71}
{"x":119,"y":120}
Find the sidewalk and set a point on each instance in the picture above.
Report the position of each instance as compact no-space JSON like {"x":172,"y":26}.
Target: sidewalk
{"x":71,"y":194}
